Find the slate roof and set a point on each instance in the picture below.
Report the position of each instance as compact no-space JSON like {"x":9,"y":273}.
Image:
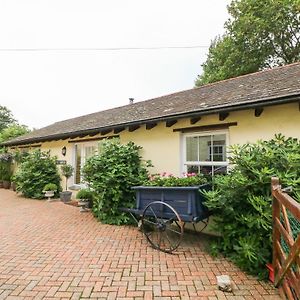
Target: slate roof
{"x":275,"y":86}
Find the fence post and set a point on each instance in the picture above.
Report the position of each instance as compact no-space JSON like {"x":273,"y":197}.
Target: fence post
{"x":276,"y":215}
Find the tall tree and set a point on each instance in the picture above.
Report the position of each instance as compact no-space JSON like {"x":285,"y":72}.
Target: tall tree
{"x":6,"y":117}
{"x":9,"y":127}
{"x":13,"y":131}
{"x":260,"y":34}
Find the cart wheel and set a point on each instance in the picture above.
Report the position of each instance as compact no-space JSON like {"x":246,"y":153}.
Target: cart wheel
{"x":162,"y":226}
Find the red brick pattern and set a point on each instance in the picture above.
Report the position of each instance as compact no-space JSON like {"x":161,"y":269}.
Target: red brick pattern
{"x":52,"y":251}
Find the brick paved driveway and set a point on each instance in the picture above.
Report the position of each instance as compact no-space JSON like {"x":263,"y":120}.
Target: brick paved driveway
{"x":52,"y":251}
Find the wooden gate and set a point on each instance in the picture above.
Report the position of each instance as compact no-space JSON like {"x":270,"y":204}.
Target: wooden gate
{"x":286,"y":244}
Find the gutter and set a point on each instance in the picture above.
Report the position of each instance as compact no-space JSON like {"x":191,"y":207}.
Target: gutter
{"x":220,"y":109}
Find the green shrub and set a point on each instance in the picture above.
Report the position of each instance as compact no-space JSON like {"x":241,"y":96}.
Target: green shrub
{"x":19,"y":156}
{"x":242,"y":204}
{"x":5,"y":166}
{"x":7,"y":175}
{"x":165,"y":179}
{"x":50,"y":187}
{"x":35,"y":171}
{"x":111,"y":174}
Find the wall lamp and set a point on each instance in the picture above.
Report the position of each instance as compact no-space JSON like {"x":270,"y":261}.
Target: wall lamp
{"x":64,"y":151}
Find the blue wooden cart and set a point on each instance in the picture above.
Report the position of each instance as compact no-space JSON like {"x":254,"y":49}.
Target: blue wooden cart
{"x":162,"y":212}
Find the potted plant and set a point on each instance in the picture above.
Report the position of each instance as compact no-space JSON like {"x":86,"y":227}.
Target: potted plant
{"x":6,"y":180}
{"x":85,"y":197}
{"x":67,"y":171}
{"x":49,"y":190}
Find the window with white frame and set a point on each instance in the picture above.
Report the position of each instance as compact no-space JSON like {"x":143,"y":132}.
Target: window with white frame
{"x":205,"y":153}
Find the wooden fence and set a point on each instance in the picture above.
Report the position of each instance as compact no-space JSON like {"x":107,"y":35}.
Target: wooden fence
{"x":286,"y":246}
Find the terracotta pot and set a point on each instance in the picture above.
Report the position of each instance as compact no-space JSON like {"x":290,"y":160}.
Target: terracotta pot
{"x":6,"y":184}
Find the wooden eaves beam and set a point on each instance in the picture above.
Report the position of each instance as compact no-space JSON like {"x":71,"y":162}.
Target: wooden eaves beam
{"x":133,"y":128}
{"x":195,"y":120}
{"x":105,"y":131}
{"x":223,"y":115}
{"x":258,"y":111}
{"x":119,"y":129}
{"x":150,"y":125}
{"x":170,"y":123}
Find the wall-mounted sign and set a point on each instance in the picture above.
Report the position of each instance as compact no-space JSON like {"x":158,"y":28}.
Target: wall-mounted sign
{"x":61,"y":162}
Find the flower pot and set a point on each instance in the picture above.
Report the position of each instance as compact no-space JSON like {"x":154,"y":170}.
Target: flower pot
{"x":49,"y":194}
{"x":83,"y":203}
{"x":271,"y":272}
{"x":65,"y":196}
{"x":6,"y":184}
{"x":14,"y":186}
{"x":1,"y":184}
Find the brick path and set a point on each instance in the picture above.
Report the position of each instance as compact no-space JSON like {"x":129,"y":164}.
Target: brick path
{"x":52,"y":251}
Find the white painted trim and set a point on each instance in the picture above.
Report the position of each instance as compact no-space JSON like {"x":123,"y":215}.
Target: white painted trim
{"x":182,"y":168}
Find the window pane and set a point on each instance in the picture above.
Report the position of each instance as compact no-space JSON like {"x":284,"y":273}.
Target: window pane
{"x":218,"y":149}
{"x":192,"y":148}
{"x":207,"y":153}
{"x":204,"y":146}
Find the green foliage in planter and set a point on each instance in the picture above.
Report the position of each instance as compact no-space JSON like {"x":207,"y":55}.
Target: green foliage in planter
{"x":190,"y":179}
{"x":242,"y":204}
{"x":85,"y":194}
{"x":111,"y":174}
{"x":50,"y":187}
{"x":67,"y":171}
{"x":35,"y":171}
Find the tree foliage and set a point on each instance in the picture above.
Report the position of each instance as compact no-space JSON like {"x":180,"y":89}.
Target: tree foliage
{"x":242,"y":204}
{"x":6,"y":118}
{"x":9,"y":127}
{"x":12,"y":131}
{"x":260,"y":34}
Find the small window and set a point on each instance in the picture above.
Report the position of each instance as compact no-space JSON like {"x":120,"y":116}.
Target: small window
{"x":205,"y":153}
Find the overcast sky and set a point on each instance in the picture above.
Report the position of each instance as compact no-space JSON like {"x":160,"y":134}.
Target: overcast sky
{"x":43,"y":87}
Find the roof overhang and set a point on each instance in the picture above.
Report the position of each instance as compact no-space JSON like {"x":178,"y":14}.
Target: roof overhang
{"x":263,"y":102}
